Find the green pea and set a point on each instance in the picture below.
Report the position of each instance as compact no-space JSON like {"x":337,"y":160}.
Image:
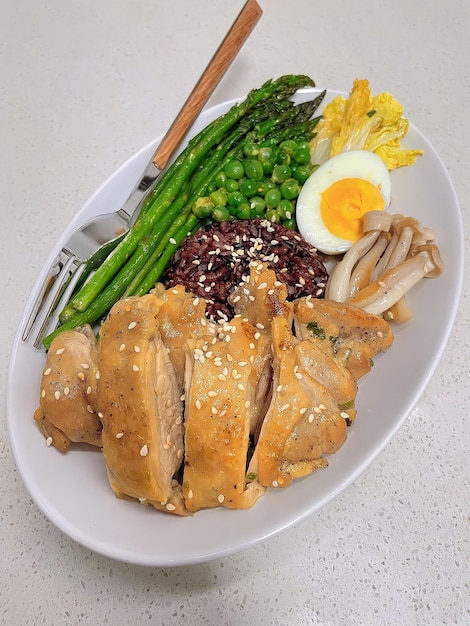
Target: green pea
{"x":221,"y":179}
{"x":243,"y":211}
{"x":253,"y":169}
{"x":236,"y":198}
{"x":283,"y":158}
{"x":265,"y":154}
{"x":265,"y":186}
{"x":249,"y":187}
{"x":303,"y":145}
{"x":267,"y":158}
{"x":281,"y":173}
{"x":301,"y":173}
{"x":232,"y":210}
{"x":273,"y":216}
{"x":231,"y":185}
{"x":257,"y":206}
{"x":267,"y":168}
{"x":289,"y":146}
{"x":290,"y":189}
{"x":291,"y":223}
{"x":219,"y":197}
{"x":251,"y":149}
{"x":285,"y":208}
{"x":272,"y":198}
{"x":302,"y":155}
{"x":202,"y":208}
{"x":234,"y":169}
{"x":220,"y":214}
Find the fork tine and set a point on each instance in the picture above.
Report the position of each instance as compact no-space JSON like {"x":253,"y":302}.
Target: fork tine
{"x":69,"y":276}
{"x":51,"y":293}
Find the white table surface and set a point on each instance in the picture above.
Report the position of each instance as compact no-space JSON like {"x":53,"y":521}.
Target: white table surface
{"x":85,"y":85}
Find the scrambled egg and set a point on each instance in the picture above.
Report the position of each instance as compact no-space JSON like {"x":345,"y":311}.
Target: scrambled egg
{"x":363,"y":122}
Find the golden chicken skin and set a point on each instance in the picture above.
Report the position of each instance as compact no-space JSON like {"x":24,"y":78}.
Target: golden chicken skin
{"x":67,"y":412}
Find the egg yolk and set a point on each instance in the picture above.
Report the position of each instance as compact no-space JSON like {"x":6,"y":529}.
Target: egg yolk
{"x":344,"y":203}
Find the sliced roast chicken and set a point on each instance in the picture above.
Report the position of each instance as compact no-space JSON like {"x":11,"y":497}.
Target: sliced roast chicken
{"x":140,"y":406}
{"x":67,"y":404}
{"x":221,"y":384}
{"x":348,"y":334}
{"x":181,"y":317}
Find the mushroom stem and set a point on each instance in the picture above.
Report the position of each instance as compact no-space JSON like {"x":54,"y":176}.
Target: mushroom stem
{"x":393,"y":284}
{"x":362,"y":273}
{"x":338,"y":282}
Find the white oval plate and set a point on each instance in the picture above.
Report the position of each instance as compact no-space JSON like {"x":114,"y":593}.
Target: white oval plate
{"x":72,"y":489}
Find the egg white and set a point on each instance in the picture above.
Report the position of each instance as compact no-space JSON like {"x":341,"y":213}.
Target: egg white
{"x":352,"y":164}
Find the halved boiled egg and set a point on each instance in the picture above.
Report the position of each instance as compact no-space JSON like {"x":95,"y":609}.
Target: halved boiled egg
{"x":334,"y":199}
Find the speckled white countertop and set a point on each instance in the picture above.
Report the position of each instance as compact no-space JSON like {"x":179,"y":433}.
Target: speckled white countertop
{"x":84,"y":86}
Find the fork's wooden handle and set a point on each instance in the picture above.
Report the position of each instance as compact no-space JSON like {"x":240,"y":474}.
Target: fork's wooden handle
{"x":220,"y":62}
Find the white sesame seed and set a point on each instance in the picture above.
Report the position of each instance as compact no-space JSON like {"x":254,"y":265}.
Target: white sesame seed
{"x":43,"y":393}
{"x":119,"y":435}
{"x":212,"y":394}
{"x":136,"y":349}
{"x":298,"y":375}
{"x":135,"y":367}
{"x":122,"y":347}
{"x":144,"y":450}
{"x":85,"y":366}
{"x":310,"y":418}
{"x":60,"y":351}
{"x":190,"y":494}
{"x":57,"y":395}
{"x":172,"y":240}
{"x":88,"y":390}
{"x":170,"y":507}
{"x":317,"y":409}
{"x":303,"y":410}
{"x":49,"y":441}
{"x":380,"y":334}
{"x":275,"y":483}
{"x":47,"y":371}
{"x":344,"y":415}
{"x":100,"y":415}
{"x":221,"y":497}
{"x":98,"y":374}
{"x":247,"y":404}
{"x":133,"y":324}
{"x":198,"y":404}
{"x":89,"y":408}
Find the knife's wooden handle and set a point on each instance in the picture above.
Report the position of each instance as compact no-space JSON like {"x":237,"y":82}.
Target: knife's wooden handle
{"x":220,"y":62}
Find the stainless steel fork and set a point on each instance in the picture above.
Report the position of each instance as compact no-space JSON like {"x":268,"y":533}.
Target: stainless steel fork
{"x":67,"y":269}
